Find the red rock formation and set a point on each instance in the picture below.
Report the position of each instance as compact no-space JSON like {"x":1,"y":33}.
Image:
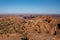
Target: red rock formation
{"x":29,"y":29}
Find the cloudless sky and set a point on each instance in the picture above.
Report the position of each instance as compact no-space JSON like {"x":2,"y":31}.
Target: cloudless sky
{"x":30,"y":6}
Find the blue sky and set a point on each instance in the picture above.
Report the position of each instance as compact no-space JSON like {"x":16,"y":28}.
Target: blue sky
{"x":30,"y":6}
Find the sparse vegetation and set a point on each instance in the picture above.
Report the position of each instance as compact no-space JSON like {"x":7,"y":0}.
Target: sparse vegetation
{"x":38,"y":24}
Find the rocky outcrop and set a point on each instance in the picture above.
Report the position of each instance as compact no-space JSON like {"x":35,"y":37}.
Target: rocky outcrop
{"x":17,"y":25}
{"x":45,"y":24}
